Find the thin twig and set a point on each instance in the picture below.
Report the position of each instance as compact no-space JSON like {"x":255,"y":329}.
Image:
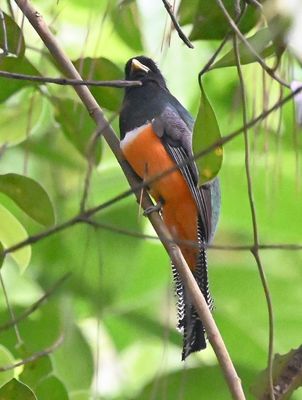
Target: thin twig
{"x":255,"y":250}
{"x":35,"y":305}
{"x":72,"y":82}
{"x":35,"y":356}
{"x":235,"y":28}
{"x":177,"y":27}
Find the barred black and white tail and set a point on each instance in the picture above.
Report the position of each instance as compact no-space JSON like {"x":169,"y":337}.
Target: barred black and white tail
{"x":189,"y":322}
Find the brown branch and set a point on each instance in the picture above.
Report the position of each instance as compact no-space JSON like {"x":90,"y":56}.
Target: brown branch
{"x":178,"y":29}
{"x":174,"y":252}
{"x":35,"y":305}
{"x":255,"y":250}
{"x":236,"y":30}
{"x":72,"y":82}
{"x":35,"y":356}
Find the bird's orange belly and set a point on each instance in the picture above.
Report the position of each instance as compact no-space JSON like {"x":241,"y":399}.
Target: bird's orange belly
{"x":146,"y":154}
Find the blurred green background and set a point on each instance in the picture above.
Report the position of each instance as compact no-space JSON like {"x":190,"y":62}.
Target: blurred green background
{"x":117,"y":309}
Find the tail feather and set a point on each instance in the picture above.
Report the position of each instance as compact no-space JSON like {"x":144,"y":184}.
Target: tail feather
{"x":188,"y":320}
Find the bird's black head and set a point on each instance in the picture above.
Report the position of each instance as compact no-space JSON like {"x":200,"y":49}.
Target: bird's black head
{"x":144,"y":69}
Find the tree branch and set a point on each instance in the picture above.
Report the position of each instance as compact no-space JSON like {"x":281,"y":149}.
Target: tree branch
{"x":183,"y":37}
{"x":174,"y":252}
{"x":72,"y":82}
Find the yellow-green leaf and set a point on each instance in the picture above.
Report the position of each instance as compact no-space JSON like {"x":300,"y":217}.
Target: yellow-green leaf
{"x":12,"y":232}
{"x":30,"y":197}
{"x":205,"y":133}
{"x":6,"y":359}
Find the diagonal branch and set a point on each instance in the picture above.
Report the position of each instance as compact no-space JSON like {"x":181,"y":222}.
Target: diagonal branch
{"x":174,"y":252}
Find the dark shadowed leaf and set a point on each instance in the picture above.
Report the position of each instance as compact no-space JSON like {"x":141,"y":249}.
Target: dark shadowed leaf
{"x":30,"y":197}
{"x":6,"y":359}
{"x":102,"y":69}
{"x":205,"y":133}
{"x":16,"y":65}
{"x":12,"y":232}
{"x":124,"y":16}
{"x":51,"y":388}
{"x":287,"y":376}
{"x":78,"y":127}
{"x":260,"y":42}
{"x":16,"y":390}
{"x":208,"y":20}
{"x":14,"y":37}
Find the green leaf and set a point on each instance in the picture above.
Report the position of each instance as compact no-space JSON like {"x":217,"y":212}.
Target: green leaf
{"x":286,"y":375}
{"x":126,"y":15}
{"x":20,"y":117}
{"x":16,"y":390}
{"x":205,"y":133}
{"x":80,"y":395}
{"x":77,"y":126}
{"x":6,"y":359}
{"x":52,"y":385}
{"x":19,"y":65}
{"x":210,"y":23}
{"x":12,"y":232}
{"x":102,"y":69}
{"x":35,"y":371}
{"x":30,"y":197}
{"x":260,"y":42}
{"x":14,"y":37}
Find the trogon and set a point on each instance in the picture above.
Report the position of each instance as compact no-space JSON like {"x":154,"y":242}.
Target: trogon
{"x":156,"y":135}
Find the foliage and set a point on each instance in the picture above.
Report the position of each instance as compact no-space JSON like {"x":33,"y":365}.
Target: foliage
{"x":116,"y":311}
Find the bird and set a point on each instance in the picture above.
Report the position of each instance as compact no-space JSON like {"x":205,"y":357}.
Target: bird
{"x":156,"y":136}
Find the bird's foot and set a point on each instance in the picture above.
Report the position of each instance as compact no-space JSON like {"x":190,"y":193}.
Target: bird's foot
{"x":155,"y":208}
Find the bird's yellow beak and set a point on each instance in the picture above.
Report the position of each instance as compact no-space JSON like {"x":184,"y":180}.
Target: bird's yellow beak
{"x":138,"y":66}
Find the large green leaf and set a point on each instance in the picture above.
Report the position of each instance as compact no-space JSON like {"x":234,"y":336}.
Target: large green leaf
{"x":78,"y":127}
{"x":51,"y":387}
{"x":30,"y":197}
{"x":260,"y":42}
{"x":125,"y":16}
{"x":16,"y":390}
{"x":6,"y":359}
{"x":14,"y":37}
{"x":36,"y":371}
{"x":208,"y":20}
{"x":20,"y":117}
{"x":102,"y":69}
{"x":205,"y":133}
{"x":19,"y":65}
{"x":12,"y":232}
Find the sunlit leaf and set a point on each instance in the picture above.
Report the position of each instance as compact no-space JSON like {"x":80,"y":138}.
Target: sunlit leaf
{"x":260,"y":42}
{"x":51,"y":387}
{"x":206,"y":132}
{"x":19,"y":65}
{"x":209,"y":22}
{"x":12,"y":232}
{"x":6,"y":359}
{"x":30,"y":197}
{"x":16,"y":390}
{"x":287,"y":376}
{"x":78,"y":127}
{"x":102,"y":69}
{"x":20,"y":117}
{"x":80,"y":395}
{"x":123,"y":16}
{"x":14,"y":37}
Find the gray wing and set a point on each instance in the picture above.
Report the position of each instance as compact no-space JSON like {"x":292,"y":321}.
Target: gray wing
{"x":177,"y":139}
